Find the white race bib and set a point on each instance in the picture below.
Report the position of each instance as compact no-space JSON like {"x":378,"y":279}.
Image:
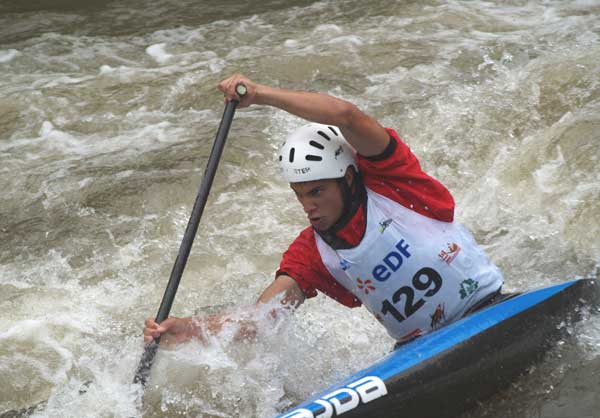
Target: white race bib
{"x":411,"y":272}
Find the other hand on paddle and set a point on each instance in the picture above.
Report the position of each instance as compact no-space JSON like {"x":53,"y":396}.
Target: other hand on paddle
{"x":174,"y":330}
{"x":171,"y":331}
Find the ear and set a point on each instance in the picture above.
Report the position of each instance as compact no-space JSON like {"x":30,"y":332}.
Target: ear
{"x":349,"y":176}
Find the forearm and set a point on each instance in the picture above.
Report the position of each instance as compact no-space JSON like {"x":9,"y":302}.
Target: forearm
{"x":315,"y":107}
{"x":189,"y":328}
{"x":201,"y":328}
{"x":362,"y":131}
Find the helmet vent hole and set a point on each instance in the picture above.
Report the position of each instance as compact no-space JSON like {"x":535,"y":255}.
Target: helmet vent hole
{"x":280,"y":157}
{"x":333,"y":130}
{"x":314,"y":158}
{"x":292,"y":151}
{"x":324,"y":135}
{"x":316,"y":145}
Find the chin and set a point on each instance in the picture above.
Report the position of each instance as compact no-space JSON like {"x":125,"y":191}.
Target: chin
{"x":322,"y":227}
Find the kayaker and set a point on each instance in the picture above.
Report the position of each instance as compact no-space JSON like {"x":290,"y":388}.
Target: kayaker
{"x":382,"y":232}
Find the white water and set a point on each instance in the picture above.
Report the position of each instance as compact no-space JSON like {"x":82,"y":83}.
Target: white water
{"x":107,"y":114}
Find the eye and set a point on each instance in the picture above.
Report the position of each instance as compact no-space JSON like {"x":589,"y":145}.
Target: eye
{"x":316,"y":191}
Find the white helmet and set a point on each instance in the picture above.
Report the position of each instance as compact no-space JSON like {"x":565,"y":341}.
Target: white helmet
{"x":315,"y":152}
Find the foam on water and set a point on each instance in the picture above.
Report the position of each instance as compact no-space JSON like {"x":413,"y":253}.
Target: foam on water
{"x":158,"y":52}
{"x":7,"y":55}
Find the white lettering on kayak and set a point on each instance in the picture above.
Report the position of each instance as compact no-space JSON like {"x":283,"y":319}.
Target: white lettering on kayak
{"x":342,"y":400}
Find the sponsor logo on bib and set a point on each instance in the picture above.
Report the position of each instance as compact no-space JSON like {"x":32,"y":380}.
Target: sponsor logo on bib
{"x":391,"y":262}
{"x":384,"y":224}
{"x":413,"y":334}
{"x":365,"y":285}
{"x":448,"y":255}
{"x":438,"y":316}
{"x":468,"y":287}
{"x":344,"y":264}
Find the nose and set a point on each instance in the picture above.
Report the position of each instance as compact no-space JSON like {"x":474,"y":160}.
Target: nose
{"x":308,"y":205}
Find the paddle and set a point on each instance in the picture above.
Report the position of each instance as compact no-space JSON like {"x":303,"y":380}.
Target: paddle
{"x":143,"y":370}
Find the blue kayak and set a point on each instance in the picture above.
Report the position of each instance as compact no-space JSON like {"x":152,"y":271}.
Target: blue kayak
{"x":447,"y":371}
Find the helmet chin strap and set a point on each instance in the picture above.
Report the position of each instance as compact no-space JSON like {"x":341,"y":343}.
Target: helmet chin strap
{"x":348,"y":192}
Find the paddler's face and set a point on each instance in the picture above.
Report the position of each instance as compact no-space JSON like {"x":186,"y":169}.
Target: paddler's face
{"x":322,"y":201}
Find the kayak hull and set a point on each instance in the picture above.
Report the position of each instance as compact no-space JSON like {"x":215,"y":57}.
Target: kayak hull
{"x":448,"y":371}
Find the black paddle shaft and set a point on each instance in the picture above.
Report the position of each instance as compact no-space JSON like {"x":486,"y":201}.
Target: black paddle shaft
{"x":145,"y":364}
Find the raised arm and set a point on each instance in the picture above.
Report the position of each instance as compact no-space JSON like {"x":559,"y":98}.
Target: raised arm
{"x":363,"y":132}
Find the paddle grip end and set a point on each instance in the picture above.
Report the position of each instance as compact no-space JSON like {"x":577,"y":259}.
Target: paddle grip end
{"x":241,"y":89}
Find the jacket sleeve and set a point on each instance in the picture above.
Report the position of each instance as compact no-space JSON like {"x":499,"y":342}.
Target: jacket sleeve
{"x":302,"y":262}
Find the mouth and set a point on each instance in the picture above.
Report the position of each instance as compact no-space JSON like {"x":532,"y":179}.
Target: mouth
{"x":314,"y":221}
{"x":319,"y":223}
